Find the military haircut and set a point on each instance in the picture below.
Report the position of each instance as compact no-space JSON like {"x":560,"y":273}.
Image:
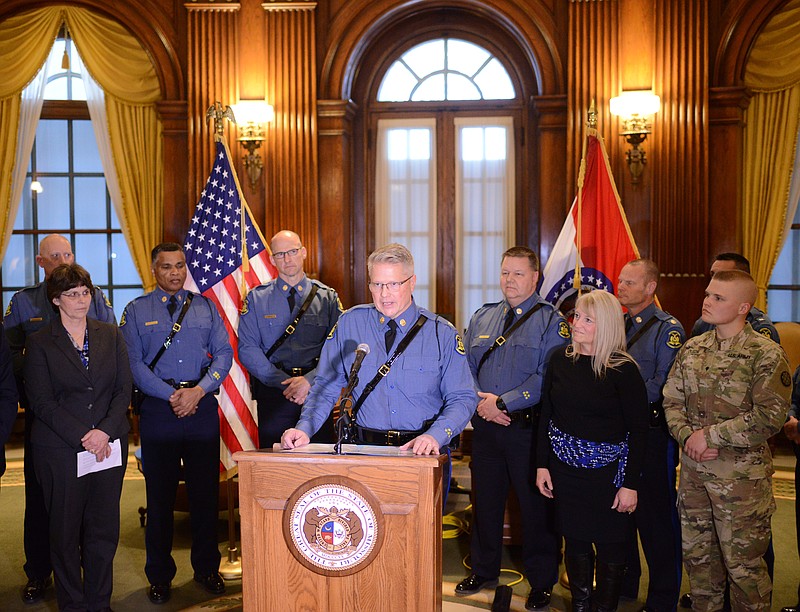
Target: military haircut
{"x":651,"y":271}
{"x":740,"y":261}
{"x":523,"y":251}
{"x":748,"y":291}
{"x":393,"y":253}
{"x":164,"y":247}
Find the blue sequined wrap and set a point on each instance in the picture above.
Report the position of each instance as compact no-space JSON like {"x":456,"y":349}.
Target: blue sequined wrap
{"x":587,"y":454}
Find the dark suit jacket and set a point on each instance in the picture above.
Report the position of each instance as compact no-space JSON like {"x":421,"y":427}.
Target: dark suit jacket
{"x":67,"y":399}
{"x":8,"y":397}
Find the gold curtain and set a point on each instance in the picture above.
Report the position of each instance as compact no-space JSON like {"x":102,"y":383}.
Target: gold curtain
{"x":123,"y":69}
{"x":773,"y":72}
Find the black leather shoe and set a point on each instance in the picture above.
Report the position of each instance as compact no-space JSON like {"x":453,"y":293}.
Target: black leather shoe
{"x":213,"y":583}
{"x":538,"y":599}
{"x":158,"y":593}
{"x":474,"y":583}
{"x":34,"y":590}
{"x":686,"y":600}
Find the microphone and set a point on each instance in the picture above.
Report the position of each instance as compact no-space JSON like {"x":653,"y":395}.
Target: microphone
{"x":362,"y":350}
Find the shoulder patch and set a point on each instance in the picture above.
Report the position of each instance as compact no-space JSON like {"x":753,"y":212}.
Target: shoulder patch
{"x":766,"y":332}
{"x":674,"y":340}
{"x":339,"y":304}
{"x":8,"y":308}
{"x":786,"y":380}
{"x":245,"y":306}
{"x":333,"y":331}
{"x":563,"y":329}
{"x":460,"y":345}
{"x":108,"y":304}
{"x":123,"y":319}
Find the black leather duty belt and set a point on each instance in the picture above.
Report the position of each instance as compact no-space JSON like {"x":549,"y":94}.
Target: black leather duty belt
{"x":294,"y":371}
{"x":183,"y":384}
{"x":391,"y":437}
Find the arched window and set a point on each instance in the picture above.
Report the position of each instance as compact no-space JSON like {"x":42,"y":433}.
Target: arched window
{"x":65,"y":192}
{"x":445,"y":173}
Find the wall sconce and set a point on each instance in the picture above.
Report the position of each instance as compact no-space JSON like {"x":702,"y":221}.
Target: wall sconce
{"x":251,"y":115}
{"x":633,"y":107}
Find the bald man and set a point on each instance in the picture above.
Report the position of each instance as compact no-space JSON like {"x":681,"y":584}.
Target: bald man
{"x":28,"y":311}
{"x":281,"y":331}
{"x":727,"y":393}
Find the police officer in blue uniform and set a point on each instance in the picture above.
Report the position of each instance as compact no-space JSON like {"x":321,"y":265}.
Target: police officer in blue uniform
{"x":427,"y":396}
{"x":28,"y":311}
{"x":758,"y":320}
{"x":281,"y":382}
{"x":509,"y":343}
{"x":178,"y":418}
{"x":654,"y":337}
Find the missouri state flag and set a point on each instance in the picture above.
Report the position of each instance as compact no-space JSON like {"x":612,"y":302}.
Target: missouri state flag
{"x":595,"y":242}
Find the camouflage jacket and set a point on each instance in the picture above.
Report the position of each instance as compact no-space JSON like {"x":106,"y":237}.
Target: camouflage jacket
{"x":738,"y":392}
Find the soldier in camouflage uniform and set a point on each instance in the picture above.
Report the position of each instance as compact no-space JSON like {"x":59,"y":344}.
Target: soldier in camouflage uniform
{"x":726,"y":394}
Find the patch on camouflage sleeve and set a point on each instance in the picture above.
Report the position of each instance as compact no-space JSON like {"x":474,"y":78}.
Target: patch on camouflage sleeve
{"x":245,"y":306}
{"x":563,"y":329}
{"x":786,"y":379}
{"x":333,"y":331}
{"x":8,"y":308}
{"x":766,"y":332}
{"x":674,"y":340}
{"x":460,"y":345}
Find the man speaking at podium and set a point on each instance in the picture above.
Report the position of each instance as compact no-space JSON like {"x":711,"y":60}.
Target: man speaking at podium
{"x":415,"y":390}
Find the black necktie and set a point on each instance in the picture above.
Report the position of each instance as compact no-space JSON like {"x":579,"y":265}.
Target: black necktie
{"x":172,"y":306}
{"x":391,"y":334}
{"x":509,"y":321}
{"x":290,"y":298}
{"x":628,"y":323}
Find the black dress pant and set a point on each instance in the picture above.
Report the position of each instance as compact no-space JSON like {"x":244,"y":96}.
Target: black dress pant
{"x":656,"y":520}
{"x":276,"y":414}
{"x":84,"y":526}
{"x":503,"y":456}
{"x":166,"y":440}
{"x":36,"y":528}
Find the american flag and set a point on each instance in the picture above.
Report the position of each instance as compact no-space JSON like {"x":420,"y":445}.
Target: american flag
{"x":221,"y":229}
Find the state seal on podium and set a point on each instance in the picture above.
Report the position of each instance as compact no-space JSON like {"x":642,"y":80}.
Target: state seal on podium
{"x":333,"y":525}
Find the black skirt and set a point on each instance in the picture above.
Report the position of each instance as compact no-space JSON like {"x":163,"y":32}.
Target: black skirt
{"x":583,"y":499}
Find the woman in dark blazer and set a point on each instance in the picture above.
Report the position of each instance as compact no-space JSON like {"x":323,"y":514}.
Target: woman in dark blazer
{"x":78,"y":379}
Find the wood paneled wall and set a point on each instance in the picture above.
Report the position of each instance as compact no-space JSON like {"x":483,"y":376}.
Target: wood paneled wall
{"x":213,"y":62}
{"x":291,"y":146}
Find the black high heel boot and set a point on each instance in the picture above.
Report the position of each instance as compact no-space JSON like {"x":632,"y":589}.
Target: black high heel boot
{"x":609,"y":585}
{"x":580,"y":571}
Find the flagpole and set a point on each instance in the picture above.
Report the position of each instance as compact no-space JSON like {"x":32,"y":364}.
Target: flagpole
{"x":591,"y":124}
{"x":231,"y":568}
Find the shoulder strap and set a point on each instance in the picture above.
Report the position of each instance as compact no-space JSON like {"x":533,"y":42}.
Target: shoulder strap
{"x":501,"y":340}
{"x":175,"y":329}
{"x":290,"y":329}
{"x":384,"y":369}
{"x":637,"y":336}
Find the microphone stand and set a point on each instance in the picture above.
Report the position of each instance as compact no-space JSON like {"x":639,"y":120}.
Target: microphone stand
{"x":344,"y":409}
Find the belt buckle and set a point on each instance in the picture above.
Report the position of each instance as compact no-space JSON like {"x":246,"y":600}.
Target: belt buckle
{"x":384,"y":370}
{"x":393,"y":438}
{"x":290,"y":329}
{"x":297,"y":371}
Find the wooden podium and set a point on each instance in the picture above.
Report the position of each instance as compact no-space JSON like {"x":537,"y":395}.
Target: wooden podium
{"x":324,"y":532}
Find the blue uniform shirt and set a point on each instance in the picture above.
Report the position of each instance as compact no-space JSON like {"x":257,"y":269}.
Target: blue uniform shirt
{"x":515,"y":371}
{"x":202,"y":342}
{"x":266,"y":315}
{"x":29,"y":310}
{"x":655,"y":350}
{"x":430,"y":380}
{"x":759,"y":321}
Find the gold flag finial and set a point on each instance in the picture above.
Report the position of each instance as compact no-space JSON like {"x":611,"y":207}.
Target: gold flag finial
{"x":591,"y":116}
{"x":218,"y":113}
